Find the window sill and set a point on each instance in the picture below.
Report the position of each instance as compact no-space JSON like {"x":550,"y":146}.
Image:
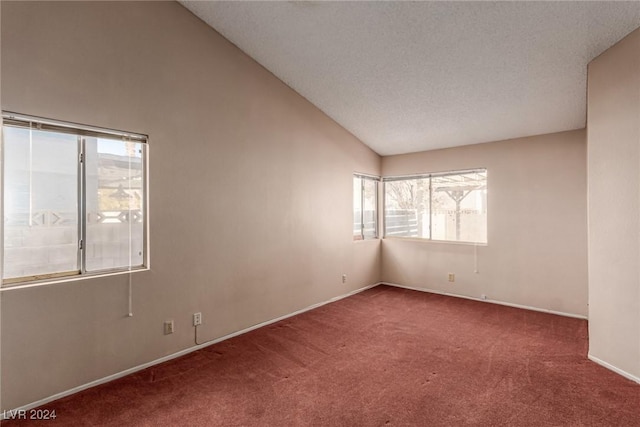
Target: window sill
{"x":377,"y":239}
{"x":67,"y":279}
{"x":446,"y":242}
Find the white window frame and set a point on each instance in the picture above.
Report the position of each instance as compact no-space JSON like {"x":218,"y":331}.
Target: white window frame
{"x":26,"y":121}
{"x":375,"y":179}
{"x":428,"y":176}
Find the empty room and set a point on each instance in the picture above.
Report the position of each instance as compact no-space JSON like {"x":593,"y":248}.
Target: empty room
{"x":320,"y":213}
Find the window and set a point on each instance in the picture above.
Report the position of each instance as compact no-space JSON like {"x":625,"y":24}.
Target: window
{"x":447,"y":206}
{"x":74,"y":200}
{"x":365,"y":202}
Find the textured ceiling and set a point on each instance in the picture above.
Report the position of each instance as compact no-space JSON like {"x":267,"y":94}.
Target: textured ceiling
{"x":414,"y":76}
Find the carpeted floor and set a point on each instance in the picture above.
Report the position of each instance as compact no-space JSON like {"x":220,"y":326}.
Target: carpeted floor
{"x":386,"y":356}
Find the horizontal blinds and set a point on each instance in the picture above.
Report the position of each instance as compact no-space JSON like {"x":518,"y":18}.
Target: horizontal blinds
{"x":366,"y":176}
{"x":19,"y":120}
{"x":434,"y":174}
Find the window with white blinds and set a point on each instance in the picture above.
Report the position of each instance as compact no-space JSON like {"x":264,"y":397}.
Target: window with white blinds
{"x":365,"y":207}
{"x":74,"y":200}
{"x":448,"y":206}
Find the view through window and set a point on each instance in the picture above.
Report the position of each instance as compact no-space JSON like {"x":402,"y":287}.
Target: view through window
{"x":365,"y":203}
{"x":74,"y":200}
{"x":448,"y":206}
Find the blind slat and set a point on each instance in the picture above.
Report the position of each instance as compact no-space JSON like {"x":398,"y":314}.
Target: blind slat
{"x":23,"y":121}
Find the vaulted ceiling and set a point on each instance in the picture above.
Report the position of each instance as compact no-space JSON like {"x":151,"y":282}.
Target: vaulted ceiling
{"x":413,"y":76}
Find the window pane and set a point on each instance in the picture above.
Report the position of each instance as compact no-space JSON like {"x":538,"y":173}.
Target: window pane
{"x":369,"y":214}
{"x":460,"y":207}
{"x":357,"y":208}
{"x":114,"y":203}
{"x":407,"y":208}
{"x":40,"y":202}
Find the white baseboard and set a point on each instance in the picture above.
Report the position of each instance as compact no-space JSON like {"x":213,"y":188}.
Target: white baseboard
{"x":618,"y":371}
{"x":508,"y":304}
{"x":129,"y":371}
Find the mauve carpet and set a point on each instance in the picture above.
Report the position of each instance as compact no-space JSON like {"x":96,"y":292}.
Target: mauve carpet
{"x":386,"y":356}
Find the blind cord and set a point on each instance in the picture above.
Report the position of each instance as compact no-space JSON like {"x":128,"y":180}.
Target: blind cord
{"x":30,"y":174}
{"x":475,"y":258}
{"x":130,"y":218}
{"x":130,"y":296}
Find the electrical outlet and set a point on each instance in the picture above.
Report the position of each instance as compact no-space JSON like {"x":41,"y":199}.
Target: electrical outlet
{"x":483,"y":296}
{"x":197,"y":319}
{"x":344,"y":278}
{"x":452,"y":277}
{"x":168,"y":327}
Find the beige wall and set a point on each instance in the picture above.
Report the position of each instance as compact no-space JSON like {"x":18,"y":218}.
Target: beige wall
{"x":250,"y":198}
{"x":614,"y":206}
{"x":1,"y":211}
{"x":537,"y":235}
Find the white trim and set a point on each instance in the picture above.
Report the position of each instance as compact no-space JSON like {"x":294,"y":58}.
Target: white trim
{"x":177,"y":354}
{"x":613,"y":368}
{"x":11,"y":116}
{"x":390,"y":178}
{"x":428,"y":240}
{"x":367,"y":176}
{"x":68,"y":279}
{"x":508,"y":304}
